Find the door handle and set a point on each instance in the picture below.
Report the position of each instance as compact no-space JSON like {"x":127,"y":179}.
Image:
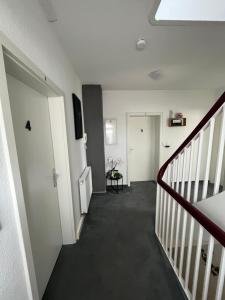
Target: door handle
{"x":55,"y":177}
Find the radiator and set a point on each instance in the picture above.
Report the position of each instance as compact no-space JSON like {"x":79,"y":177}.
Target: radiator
{"x":85,"y":186}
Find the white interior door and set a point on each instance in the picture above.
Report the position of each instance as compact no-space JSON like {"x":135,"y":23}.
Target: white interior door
{"x":36,"y":161}
{"x":142,"y":144}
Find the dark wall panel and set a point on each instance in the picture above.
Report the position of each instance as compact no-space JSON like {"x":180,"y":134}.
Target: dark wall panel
{"x":93,"y":122}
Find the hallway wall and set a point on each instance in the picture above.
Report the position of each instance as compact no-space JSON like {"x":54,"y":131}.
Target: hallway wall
{"x":193,"y":104}
{"x":93,"y":121}
{"x":25,"y":24}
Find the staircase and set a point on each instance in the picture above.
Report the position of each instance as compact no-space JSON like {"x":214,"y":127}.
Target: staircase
{"x":190,"y":208}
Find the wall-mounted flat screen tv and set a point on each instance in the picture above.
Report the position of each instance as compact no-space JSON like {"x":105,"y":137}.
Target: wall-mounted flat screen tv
{"x":77,"y":117}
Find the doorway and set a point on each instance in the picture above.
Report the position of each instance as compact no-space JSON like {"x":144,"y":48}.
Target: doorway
{"x":32,"y":129}
{"x":143,"y":140}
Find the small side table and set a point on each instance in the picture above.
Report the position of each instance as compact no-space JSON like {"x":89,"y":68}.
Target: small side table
{"x":115,"y":187}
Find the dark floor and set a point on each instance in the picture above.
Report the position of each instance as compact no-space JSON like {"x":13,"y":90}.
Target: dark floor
{"x":118,"y":256}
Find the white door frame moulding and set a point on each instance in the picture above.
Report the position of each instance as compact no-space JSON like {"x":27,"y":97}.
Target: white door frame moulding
{"x":151,"y":114}
{"x":62,"y":166}
{"x":60,"y":147}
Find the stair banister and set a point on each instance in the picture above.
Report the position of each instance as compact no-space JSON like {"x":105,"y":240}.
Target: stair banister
{"x":171,"y":203}
{"x":210,"y":226}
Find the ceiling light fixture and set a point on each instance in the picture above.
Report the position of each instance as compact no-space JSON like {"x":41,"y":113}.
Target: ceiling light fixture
{"x":49,"y":10}
{"x":141,"y":44}
{"x":155,"y":75}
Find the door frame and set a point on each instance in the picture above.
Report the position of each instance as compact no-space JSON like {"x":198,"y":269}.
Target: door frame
{"x":151,"y":114}
{"x":60,"y":148}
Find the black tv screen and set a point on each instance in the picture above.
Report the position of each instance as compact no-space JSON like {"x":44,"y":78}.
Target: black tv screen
{"x":77,"y":117}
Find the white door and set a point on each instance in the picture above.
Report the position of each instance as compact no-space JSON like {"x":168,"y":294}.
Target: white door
{"x":36,"y":161}
{"x":142,"y":145}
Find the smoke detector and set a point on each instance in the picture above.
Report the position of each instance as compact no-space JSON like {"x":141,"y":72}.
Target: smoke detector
{"x":141,"y":44}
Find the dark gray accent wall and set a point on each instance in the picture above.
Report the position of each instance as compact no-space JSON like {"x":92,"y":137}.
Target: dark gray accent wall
{"x":93,"y":123}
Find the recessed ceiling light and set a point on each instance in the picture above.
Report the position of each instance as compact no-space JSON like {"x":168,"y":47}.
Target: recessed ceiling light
{"x":140,"y":44}
{"x":155,"y":75}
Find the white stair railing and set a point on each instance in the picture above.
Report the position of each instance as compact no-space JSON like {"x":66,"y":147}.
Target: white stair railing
{"x":182,"y":229}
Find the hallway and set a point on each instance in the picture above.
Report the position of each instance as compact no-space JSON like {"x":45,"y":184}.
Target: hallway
{"x":118,"y":256}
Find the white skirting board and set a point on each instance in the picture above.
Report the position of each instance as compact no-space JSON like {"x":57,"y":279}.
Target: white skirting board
{"x":85,"y":186}
{"x":80,"y":226}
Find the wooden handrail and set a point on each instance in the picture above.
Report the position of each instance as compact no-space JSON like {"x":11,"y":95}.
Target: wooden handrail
{"x":208,"y":224}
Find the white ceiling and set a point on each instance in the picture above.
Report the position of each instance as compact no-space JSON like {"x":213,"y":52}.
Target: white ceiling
{"x":100,"y":35}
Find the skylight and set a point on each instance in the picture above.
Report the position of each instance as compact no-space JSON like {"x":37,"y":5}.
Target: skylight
{"x":191,"y":10}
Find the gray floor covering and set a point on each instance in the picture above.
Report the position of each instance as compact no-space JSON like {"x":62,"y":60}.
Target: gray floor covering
{"x":118,"y":256}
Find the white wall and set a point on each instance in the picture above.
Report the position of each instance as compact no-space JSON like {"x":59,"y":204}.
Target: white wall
{"x":12,"y":275}
{"x":193,"y":105}
{"x":24,"y":23}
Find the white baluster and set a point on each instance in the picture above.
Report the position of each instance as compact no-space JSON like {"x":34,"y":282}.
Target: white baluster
{"x":190,"y":171}
{"x":165,"y":208}
{"x":183,"y":243}
{"x":220,"y":282}
{"x":197,"y":262}
{"x":208,"y":160}
{"x":199,"y":155}
{"x":184,"y":216}
{"x":192,"y":223}
{"x":157,"y":210}
{"x":183,"y":172}
{"x":173,"y":209}
{"x":220,"y":154}
{"x":190,"y":242}
{"x":189,"y":252}
{"x":168,"y":207}
{"x":177,"y":235}
{"x":208,"y":268}
{"x":178,"y":173}
{"x":160,"y":213}
{"x":181,"y":157}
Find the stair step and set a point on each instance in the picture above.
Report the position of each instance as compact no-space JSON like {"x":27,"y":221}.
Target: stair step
{"x":214,"y":208}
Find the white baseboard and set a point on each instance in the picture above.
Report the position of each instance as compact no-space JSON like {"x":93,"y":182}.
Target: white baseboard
{"x":100,"y":192}
{"x":80,"y":225}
